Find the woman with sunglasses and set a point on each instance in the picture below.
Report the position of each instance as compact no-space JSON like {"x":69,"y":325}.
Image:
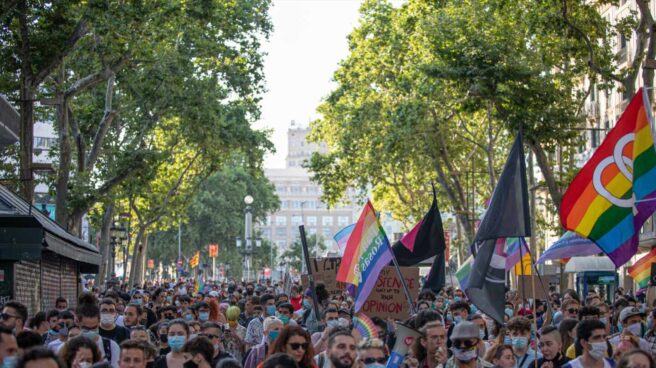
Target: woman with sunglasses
{"x":295,"y":341}
{"x":373,"y":353}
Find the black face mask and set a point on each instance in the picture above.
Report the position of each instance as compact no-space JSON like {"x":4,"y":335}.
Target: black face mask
{"x":190,"y":364}
{"x":164,"y":338}
{"x":150,"y":364}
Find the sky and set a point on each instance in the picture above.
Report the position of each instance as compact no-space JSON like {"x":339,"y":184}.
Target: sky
{"x":303,"y":51}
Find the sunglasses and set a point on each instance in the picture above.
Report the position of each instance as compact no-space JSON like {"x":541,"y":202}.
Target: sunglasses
{"x":374,"y":360}
{"x":6,"y":316}
{"x":573,"y":310}
{"x":298,"y":345}
{"x":464,"y":344}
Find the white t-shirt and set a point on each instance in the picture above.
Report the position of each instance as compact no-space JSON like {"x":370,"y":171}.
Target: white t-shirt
{"x":55,"y":345}
{"x":578,"y":363}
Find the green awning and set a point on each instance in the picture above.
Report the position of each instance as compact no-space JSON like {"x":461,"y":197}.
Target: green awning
{"x":21,"y":237}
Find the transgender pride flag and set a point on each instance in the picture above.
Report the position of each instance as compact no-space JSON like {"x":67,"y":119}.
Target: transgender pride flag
{"x":367,"y":252}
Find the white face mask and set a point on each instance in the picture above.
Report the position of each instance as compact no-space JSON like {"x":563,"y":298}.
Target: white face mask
{"x":597,"y":350}
{"x":107,"y":319}
{"x":635,"y":329}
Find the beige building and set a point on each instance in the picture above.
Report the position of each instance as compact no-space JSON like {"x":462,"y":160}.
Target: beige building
{"x":300,"y":201}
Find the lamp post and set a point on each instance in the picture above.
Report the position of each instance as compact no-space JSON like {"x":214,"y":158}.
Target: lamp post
{"x":248,"y":238}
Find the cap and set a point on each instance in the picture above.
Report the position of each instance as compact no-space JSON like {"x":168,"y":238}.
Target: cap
{"x":628,"y":312}
{"x":214,"y":293}
{"x":465,"y":330}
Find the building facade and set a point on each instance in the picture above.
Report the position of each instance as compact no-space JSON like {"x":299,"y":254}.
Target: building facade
{"x":300,"y":198}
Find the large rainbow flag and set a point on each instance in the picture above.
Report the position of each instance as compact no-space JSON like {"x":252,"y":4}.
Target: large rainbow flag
{"x":615,"y":192}
{"x":366,"y":253}
{"x":641,"y":270}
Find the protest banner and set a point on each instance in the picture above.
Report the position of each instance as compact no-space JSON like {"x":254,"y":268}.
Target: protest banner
{"x":324,"y":271}
{"x":388,"y":299}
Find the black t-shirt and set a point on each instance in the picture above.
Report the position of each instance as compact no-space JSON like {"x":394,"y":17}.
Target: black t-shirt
{"x":164,"y":351}
{"x":118,"y":334}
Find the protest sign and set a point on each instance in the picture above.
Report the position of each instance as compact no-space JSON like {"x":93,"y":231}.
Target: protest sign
{"x":324,"y":271}
{"x":388,"y":299}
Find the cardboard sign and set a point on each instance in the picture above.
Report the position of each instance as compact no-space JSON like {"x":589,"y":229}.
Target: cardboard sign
{"x":324,"y":271}
{"x":525,"y":287}
{"x":388,"y":299}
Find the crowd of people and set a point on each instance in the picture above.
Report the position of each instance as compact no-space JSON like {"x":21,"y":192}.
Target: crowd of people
{"x":262,"y":325}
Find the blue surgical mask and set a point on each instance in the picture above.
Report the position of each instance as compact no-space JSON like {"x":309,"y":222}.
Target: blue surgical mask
{"x":519,"y":342}
{"x":619,"y":327}
{"x":271,"y":310}
{"x":473,"y":309}
{"x":307,"y":304}
{"x":188,"y":317}
{"x":509,"y":312}
{"x":90,"y":334}
{"x":457,"y":298}
{"x":449,"y":317}
{"x":284,"y":319}
{"x":203,"y":316}
{"x":137,"y":301}
{"x":481,"y":333}
{"x":375,"y":365}
{"x":507,"y":340}
{"x":273,"y":335}
{"x":63,"y":331}
{"x":9,"y":361}
{"x":176,"y":343}
{"x":457,"y":319}
{"x":333,"y":323}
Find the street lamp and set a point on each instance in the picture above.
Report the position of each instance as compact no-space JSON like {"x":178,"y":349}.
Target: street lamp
{"x":248,"y":236}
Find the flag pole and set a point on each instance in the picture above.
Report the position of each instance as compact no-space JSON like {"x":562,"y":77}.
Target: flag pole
{"x":403,"y":283}
{"x":306,"y":255}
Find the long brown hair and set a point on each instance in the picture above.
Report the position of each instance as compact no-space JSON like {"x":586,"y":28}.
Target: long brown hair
{"x":280,"y":344}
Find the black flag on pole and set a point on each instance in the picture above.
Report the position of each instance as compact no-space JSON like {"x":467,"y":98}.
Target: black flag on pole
{"x":424,"y":241}
{"x":506,"y":217}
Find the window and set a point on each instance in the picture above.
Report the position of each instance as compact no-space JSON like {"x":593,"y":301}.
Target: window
{"x":327,"y":221}
{"x":292,"y":163}
{"x":44,"y":142}
{"x":266,"y":233}
{"x":595,"y":138}
{"x":312,"y":231}
{"x":281,"y":189}
{"x":281,"y":220}
{"x":281,"y":232}
{"x":296,"y":189}
{"x":282,"y":244}
{"x":327,"y":233}
{"x":297,"y":220}
{"x":343,"y":220}
{"x":267,"y":220}
{"x":311,"y":220}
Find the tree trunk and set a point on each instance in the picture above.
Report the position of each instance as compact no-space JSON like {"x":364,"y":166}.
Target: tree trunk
{"x":105,"y":248}
{"x":138,"y":243}
{"x":64,"y":170}
{"x":547,"y":172}
{"x":26,"y":139}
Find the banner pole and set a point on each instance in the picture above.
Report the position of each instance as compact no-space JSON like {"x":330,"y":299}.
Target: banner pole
{"x":403,"y":284}
{"x":306,"y":255}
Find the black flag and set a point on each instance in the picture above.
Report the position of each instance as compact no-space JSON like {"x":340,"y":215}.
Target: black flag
{"x":426,"y":240}
{"x":506,"y":217}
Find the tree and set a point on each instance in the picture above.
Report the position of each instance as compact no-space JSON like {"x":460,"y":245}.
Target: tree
{"x":294,"y":254}
{"x":215,"y":214}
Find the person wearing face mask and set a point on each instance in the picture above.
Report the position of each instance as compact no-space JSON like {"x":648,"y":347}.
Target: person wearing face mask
{"x":329,"y":322}
{"x":108,"y":327}
{"x":372,"y":353}
{"x":177,"y":335}
{"x":255,"y":327}
{"x":64,"y":323}
{"x":550,"y":346}
{"x":8,"y":347}
{"x":256,"y":355}
{"x":285,"y":313}
{"x":201,"y":312}
{"x":61,"y":304}
{"x":465,"y":338}
{"x":80,"y":352}
{"x":14,"y":316}
{"x":631,"y":320}
{"x":592,"y":335}
{"x":309,"y":316}
{"x":459,"y":312}
{"x":88,"y":315}
{"x":520,"y":333}
{"x":198,"y":353}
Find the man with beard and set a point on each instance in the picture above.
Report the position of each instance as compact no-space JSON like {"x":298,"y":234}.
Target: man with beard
{"x":341,"y":352}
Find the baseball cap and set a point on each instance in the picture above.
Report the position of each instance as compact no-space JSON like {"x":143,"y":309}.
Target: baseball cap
{"x":628,"y":312}
{"x":465,"y":330}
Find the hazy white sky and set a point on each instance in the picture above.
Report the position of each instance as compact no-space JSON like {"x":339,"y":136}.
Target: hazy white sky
{"x":307,"y":43}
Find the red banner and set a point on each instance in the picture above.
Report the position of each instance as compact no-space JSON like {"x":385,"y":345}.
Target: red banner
{"x":214,"y":250}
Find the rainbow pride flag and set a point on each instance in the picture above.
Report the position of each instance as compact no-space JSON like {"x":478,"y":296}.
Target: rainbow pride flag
{"x":615,"y":192}
{"x":365,"y":326}
{"x":514,"y":249}
{"x":641,"y":270}
{"x":342,"y":237}
{"x":462,"y":274}
{"x":366,"y":253}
